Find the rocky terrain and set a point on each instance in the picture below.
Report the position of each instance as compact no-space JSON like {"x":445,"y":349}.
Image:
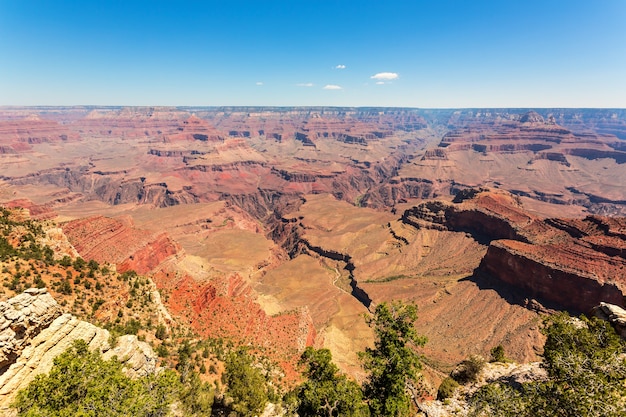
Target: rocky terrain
{"x":33,"y":331}
{"x":283,"y":226}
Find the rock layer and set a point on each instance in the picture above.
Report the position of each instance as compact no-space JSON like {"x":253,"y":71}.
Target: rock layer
{"x":117,"y":241}
{"x":574,"y":263}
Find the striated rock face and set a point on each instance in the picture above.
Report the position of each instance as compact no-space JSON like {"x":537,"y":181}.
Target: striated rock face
{"x":113,"y":240}
{"x":195,"y":128}
{"x":575,"y":263}
{"x":547,"y":272}
{"x":19,"y":135}
{"x":35,"y":332}
{"x":37,"y":212}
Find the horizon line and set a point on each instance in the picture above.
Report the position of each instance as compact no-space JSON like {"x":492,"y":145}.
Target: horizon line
{"x":120,"y":106}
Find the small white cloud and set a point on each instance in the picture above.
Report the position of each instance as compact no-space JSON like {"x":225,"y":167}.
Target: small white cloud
{"x":385,"y":76}
{"x":259,"y":83}
{"x":332,"y":87}
{"x":340,"y":66}
{"x":305,"y":84}
{"x":380,"y":82}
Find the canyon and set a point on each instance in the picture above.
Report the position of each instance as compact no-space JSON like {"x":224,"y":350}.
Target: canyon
{"x":282,"y":227}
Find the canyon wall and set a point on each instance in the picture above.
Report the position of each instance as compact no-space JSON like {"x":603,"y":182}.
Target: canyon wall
{"x":571,"y":263}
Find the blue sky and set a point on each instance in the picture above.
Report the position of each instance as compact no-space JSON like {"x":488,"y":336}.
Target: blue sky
{"x":437,"y":53}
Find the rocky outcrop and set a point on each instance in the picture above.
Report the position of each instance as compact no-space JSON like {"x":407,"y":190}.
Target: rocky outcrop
{"x":110,"y":187}
{"x":195,"y":129}
{"x":38,"y":332}
{"x":487,"y":216}
{"x":615,"y":315}
{"x":21,"y":319}
{"x":573,"y":263}
{"x":570,"y":276}
{"x":513,"y":374}
{"x":510,"y":136}
{"x":37,"y":212}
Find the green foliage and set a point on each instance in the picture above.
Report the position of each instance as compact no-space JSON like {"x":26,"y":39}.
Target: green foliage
{"x":79,"y":263}
{"x":326,"y":392}
{"x":161,"y":332}
{"x":393,"y":364}
{"x":247,"y":390}
{"x":499,"y":400}
{"x":162,"y":351}
{"x":25,"y":235}
{"x":497,"y":354}
{"x":196,"y":396}
{"x":66,"y":261}
{"x":39,"y":283}
{"x":128,"y":275}
{"x":469,"y":369}
{"x":81,"y":383}
{"x":96,"y":305}
{"x":65,"y":287}
{"x":93,"y":265}
{"x":446,"y":388}
{"x":586,"y":370}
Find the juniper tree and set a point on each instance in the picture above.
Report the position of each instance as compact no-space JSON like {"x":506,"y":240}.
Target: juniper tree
{"x":393,"y":363}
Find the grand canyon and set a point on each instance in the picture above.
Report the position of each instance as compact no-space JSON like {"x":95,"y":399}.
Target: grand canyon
{"x":282,"y":227}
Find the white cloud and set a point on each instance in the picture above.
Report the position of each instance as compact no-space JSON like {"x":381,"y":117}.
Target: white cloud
{"x":380,"y":82}
{"x":340,"y":66}
{"x":305,"y":84}
{"x":259,"y":83}
{"x":385,"y":76}
{"x":332,"y":87}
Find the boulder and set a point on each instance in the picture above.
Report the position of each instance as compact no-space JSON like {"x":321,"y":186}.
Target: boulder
{"x":616,"y":315}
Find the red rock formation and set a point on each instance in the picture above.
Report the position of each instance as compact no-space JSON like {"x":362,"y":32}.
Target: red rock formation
{"x":116,"y":241}
{"x":572,"y":276}
{"x":37,"y":212}
{"x":575,"y":263}
{"x":131,"y":122}
{"x":531,"y":133}
{"x":19,"y":135}
{"x":195,"y":128}
{"x":226,"y":308}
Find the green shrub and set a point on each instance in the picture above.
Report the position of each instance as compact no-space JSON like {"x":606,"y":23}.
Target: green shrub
{"x":469,"y":370}
{"x":161,"y":332}
{"x":497,"y":354}
{"x":326,"y":392}
{"x":247,"y":388}
{"x":447,"y":388}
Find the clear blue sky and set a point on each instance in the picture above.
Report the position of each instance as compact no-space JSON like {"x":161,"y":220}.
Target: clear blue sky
{"x":437,"y":53}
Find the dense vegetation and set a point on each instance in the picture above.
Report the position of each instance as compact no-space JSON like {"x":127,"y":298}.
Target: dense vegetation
{"x":18,"y":239}
{"x":325,"y":391}
{"x":248,"y":388}
{"x":586,"y":364}
{"x":81,"y":383}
